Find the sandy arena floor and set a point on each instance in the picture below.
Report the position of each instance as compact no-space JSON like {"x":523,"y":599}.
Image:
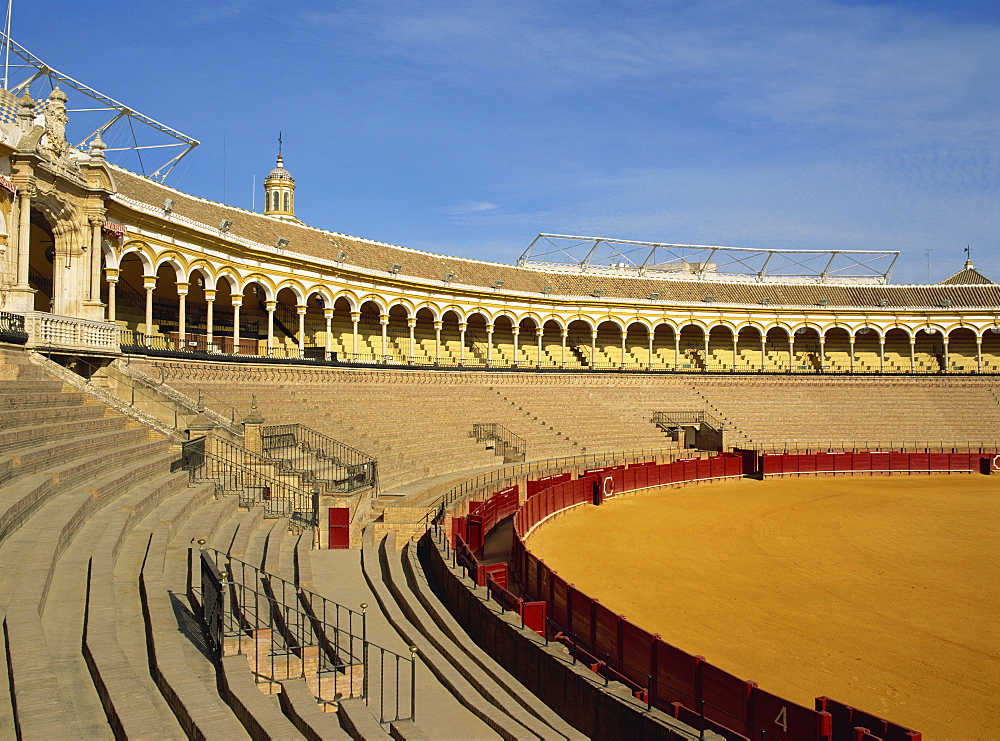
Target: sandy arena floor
{"x":880,"y":592}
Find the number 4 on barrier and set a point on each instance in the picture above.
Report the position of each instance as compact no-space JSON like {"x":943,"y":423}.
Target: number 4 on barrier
{"x":782,"y":719}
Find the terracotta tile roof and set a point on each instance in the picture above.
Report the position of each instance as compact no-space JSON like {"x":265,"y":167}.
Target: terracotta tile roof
{"x":378,"y":256}
{"x":967,"y":276}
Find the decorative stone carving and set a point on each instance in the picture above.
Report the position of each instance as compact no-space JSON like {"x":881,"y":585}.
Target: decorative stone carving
{"x":54,"y":142}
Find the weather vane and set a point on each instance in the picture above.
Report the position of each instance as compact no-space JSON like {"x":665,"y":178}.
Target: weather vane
{"x":279,"y":142}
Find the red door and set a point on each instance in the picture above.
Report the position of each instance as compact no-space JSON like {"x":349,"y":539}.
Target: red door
{"x":340,"y":527}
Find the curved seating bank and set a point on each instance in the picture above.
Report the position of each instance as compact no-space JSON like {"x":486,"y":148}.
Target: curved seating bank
{"x":545,"y":630}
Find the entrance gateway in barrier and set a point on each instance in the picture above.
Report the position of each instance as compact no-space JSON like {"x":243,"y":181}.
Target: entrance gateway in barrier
{"x":685,"y":686}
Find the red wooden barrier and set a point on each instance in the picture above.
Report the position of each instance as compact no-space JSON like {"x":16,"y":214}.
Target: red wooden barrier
{"x":546,"y":481}
{"x":847,"y":718}
{"x":726,"y":697}
{"x":785,"y":720}
{"x":533,"y":616}
{"x":606,"y":469}
{"x":498,"y":573}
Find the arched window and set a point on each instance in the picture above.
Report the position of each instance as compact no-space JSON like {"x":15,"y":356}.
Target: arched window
{"x":286,"y":200}
{"x":275,"y":205}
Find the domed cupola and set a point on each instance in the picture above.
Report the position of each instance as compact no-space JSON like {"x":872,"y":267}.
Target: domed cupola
{"x":279,"y":193}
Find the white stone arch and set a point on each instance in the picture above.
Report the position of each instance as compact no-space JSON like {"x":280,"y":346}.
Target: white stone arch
{"x":205,"y":268}
{"x":228,"y":275}
{"x":591,"y":325}
{"x":321,"y":290}
{"x":608,"y":319}
{"x":173,"y":260}
{"x":724,"y":323}
{"x":749,"y":324}
{"x":533,"y":316}
{"x":142,"y":250}
{"x":433,"y":308}
{"x":910,"y":331}
{"x":407,"y":306}
{"x":669,"y":323}
{"x":856,"y":328}
{"x":554,"y":318}
{"x":504,"y":313}
{"x":264,"y":281}
{"x":641,"y":321}
{"x":373,"y":298}
{"x":295,"y":287}
{"x":349,"y":296}
{"x":691,"y":322}
{"x":482,"y":312}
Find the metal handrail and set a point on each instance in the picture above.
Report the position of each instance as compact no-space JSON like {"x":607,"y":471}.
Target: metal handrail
{"x":903,"y":446}
{"x":286,"y":631}
{"x":687,"y":417}
{"x":509,"y":444}
{"x":343,"y":469}
{"x":251,"y":483}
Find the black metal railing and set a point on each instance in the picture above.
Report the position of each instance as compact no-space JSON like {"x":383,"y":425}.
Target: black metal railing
{"x":287,"y":632}
{"x":12,"y":328}
{"x":337,"y":466}
{"x":670,"y":420}
{"x":41,"y":282}
{"x":250,"y":479}
{"x":511,"y":446}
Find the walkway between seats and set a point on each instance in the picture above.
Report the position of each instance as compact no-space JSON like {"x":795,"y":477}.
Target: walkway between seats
{"x":337,"y":575}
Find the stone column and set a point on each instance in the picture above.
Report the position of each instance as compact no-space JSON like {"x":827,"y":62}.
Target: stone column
{"x":25,"y":193}
{"x":270,"y":306}
{"x":328,"y":316}
{"x":182,"y":291}
{"x":649,"y":336}
{"x":539,"y":331}
{"x":489,"y":345}
{"x":516,"y":331}
{"x":881,"y":354}
{"x":355,"y":318}
{"x":705,"y":362}
{"x":947,"y":362}
{"x":677,"y":350}
{"x":763,"y":351}
{"x":112,"y":278}
{"x":850,"y":349}
{"x":461,"y":350}
{"x":979,"y":354}
{"x":736,"y":351}
{"x":438,"y":324}
{"x":791,"y":352}
{"x":209,"y":318}
{"x":237,"y":303}
{"x":913,"y":354}
{"x":624,"y":337}
{"x":301,"y":311}
{"x":383,"y":319}
{"x":411,"y":324}
{"x":95,"y":258}
{"x":822,"y":352}
{"x":565,"y":334}
{"x":593,"y":347}
{"x":149,"y":283}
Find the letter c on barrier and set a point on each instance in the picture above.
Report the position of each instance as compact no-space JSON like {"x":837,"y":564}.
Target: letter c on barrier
{"x":609,"y":487}
{"x":996,"y":463}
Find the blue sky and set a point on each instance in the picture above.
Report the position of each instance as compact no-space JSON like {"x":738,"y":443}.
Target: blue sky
{"x":467,"y":128}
